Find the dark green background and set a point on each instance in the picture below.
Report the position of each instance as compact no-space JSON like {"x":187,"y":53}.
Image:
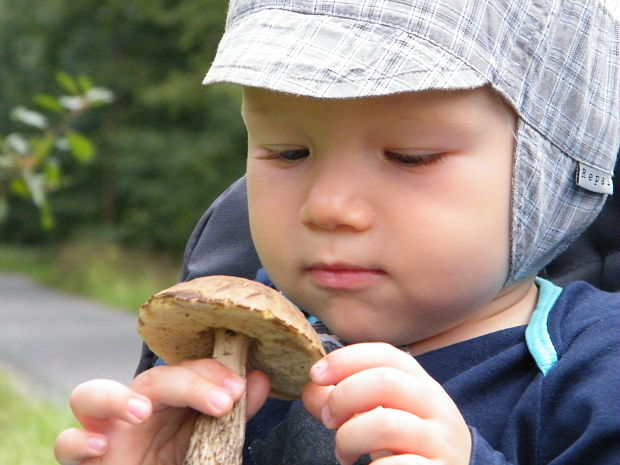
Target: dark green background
{"x":167,"y":146}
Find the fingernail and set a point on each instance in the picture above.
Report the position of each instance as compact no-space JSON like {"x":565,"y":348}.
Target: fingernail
{"x":219,"y":399}
{"x":234,"y":385}
{"x":318,"y":370}
{"x":96,"y":444}
{"x":138,"y":409}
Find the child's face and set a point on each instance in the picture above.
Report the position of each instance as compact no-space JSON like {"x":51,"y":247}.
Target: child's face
{"x":386,"y":217}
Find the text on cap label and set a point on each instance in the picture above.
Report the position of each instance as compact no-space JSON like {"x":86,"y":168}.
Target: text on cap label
{"x":594,"y":179}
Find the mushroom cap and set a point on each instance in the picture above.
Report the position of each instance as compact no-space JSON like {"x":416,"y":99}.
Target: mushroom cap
{"x":178,"y":324}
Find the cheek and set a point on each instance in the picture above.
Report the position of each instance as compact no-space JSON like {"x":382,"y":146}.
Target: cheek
{"x":459,"y":230}
{"x":457,"y":263}
{"x":270,"y":209}
{"x":258,"y":199}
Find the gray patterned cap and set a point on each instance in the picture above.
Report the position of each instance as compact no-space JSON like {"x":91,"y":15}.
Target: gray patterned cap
{"x":555,"y":61}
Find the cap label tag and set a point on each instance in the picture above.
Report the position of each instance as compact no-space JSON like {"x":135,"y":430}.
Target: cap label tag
{"x":594,"y":179}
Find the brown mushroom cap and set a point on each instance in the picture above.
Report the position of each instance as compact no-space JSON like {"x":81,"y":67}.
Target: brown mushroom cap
{"x":178,"y":324}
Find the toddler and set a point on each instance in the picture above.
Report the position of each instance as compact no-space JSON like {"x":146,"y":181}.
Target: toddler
{"x":412,"y":166}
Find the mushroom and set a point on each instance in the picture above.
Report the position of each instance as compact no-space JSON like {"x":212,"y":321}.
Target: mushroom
{"x":240,"y":323}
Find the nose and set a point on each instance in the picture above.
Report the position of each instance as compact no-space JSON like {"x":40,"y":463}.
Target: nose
{"x":337,"y":198}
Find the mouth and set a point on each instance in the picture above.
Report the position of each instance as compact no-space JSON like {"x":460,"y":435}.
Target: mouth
{"x":343,"y":276}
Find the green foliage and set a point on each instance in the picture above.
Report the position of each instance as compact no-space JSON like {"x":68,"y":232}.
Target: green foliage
{"x":167,"y":147}
{"x":95,"y":267}
{"x":28,"y":425}
{"x":30,"y":162}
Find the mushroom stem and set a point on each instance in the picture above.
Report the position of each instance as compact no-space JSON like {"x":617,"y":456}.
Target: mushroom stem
{"x":219,"y":441}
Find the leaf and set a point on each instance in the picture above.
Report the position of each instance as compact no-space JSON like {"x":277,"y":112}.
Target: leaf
{"x":50,"y":103}
{"x":29,"y":117}
{"x":52,"y":173}
{"x":85,"y":83}
{"x":20,"y":188}
{"x":18,"y":143}
{"x":35,"y":183}
{"x":72,"y":102}
{"x":100,"y":95}
{"x":81,"y":147}
{"x":36,"y":186}
{"x":67,"y":82}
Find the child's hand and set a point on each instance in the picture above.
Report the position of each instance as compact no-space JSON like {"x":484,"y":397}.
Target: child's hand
{"x":381,"y":402}
{"x":151,"y":421}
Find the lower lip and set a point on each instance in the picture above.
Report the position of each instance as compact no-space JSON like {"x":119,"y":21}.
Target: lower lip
{"x":344,"y":279}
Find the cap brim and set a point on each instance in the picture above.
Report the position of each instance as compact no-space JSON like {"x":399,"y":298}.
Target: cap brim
{"x":333,"y":57}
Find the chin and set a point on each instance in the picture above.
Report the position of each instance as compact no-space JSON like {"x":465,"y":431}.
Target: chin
{"x":359,"y":335}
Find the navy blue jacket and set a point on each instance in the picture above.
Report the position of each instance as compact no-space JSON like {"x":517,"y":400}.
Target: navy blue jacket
{"x":545,"y":394}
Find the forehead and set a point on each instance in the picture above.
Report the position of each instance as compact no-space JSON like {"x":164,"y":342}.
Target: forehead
{"x":463,"y":109}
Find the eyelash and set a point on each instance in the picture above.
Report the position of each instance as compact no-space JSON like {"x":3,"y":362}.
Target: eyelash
{"x":408,"y":160}
{"x":293,"y":155}
{"x":414,"y":160}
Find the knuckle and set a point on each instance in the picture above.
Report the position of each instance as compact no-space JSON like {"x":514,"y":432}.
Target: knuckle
{"x":202,"y":365}
{"x":387,"y":424}
{"x":388,"y":381}
{"x":148,"y":380}
{"x":196,"y":387}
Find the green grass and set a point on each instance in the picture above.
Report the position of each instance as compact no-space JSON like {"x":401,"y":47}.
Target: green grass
{"x":28,"y":425}
{"x":102,"y":271}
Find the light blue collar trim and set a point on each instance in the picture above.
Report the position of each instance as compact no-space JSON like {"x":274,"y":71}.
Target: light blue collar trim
{"x":537,"y":335}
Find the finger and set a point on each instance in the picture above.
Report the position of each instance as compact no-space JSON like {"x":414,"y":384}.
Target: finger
{"x":386,"y":387}
{"x":379,"y":454}
{"x":402,"y":459}
{"x":314,"y":398}
{"x":219,"y":374}
{"x":348,"y":360}
{"x":74,"y":446}
{"x":97,"y":401}
{"x":257,"y":391}
{"x":384,"y":430}
{"x":204,"y":385}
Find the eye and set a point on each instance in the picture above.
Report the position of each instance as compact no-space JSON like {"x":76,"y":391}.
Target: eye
{"x":414,"y":160}
{"x":289,"y":155}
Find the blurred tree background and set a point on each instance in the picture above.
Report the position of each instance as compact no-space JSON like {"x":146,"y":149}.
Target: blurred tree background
{"x":164,"y":149}
{"x":166,"y":146}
